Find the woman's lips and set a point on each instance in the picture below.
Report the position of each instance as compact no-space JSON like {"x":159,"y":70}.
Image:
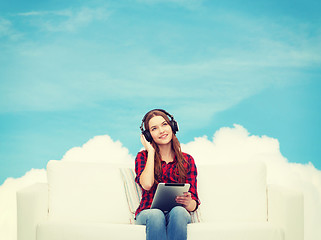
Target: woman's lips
{"x":163,"y":136}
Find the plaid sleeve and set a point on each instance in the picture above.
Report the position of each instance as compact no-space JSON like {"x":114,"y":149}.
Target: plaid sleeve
{"x":192,"y":177}
{"x":140,"y":163}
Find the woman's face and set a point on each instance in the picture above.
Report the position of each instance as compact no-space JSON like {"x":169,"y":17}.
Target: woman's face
{"x":160,"y":130}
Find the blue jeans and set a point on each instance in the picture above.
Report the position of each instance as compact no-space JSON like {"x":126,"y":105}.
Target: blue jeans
{"x":159,"y":225}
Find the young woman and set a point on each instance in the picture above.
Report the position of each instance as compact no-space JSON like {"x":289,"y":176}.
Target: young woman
{"x":163,"y":161}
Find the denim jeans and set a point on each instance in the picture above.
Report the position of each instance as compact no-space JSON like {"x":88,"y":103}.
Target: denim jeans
{"x":159,"y":225}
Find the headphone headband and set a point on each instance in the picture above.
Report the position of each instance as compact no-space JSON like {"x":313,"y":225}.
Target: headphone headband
{"x":157,"y":109}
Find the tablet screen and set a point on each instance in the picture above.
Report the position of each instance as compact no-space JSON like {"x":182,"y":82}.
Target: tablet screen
{"x":166,"y":193}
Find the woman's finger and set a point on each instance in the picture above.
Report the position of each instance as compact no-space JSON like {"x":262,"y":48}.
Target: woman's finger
{"x":184,"y":199}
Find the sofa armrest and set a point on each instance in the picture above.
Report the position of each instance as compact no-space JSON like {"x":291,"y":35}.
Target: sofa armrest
{"x":286,"y":209}
{"x":32,"y":208}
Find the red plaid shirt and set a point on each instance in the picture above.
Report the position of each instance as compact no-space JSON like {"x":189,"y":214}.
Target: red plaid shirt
{"x":168,"y":176}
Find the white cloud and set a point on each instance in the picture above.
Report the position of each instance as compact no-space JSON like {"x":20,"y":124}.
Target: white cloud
{"x":237,"y":145}
{"x":7,"y":30}
{"x":44,"y":13}
{"x":5,"y":26}
{"x":228,"y":145}
{"x":67,"y":20}
{"x":8,"y":216}
{"x":99,"y":149}
{"x":78,"y":19}
{"x":188,"y":4}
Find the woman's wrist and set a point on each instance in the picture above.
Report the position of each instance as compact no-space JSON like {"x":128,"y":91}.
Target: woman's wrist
{"x":151,"y":151}
{"x":192,"y":206}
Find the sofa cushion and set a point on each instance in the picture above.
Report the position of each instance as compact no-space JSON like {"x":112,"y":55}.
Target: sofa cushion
{"x":93,"y":192}
{"x":234,"y":231}
{"x":233,"y":192}
{"x":51,"y":230}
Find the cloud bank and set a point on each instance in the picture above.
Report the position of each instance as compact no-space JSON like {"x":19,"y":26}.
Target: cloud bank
{"x":228,"y":145}
{"x":8,"y":210}
{"x":237,"y":145}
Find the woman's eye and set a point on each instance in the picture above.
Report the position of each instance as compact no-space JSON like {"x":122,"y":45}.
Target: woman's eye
{"x":165,"y":123}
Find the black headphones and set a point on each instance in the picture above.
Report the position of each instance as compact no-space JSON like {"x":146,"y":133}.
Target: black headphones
{"x":146,"y":132}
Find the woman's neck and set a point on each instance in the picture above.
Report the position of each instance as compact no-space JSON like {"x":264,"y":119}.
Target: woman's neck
{"x":166,"y":153}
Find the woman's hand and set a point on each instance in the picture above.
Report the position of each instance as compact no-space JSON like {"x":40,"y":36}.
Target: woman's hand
{"x":146,"y":144}
{"x":187,"y":201}
{"x":147,"y":176}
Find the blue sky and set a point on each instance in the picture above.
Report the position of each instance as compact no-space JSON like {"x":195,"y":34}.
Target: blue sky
{"x":71,"y":70}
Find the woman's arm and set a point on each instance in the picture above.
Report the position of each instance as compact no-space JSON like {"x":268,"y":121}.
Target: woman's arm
{"x":190,"y":200}
{"x":147,"y":177}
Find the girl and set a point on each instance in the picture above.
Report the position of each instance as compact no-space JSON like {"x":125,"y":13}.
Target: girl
{"x":163,"y":161}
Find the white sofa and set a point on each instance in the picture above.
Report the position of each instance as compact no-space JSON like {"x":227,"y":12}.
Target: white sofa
{"x":86,"y":201}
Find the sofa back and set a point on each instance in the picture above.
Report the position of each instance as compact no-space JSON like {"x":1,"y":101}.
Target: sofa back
{"x":105,"y":192}
{"x":80,"y":191}
{"x":233,"y":192}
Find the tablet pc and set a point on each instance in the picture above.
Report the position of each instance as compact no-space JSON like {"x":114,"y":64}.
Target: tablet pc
{"x":166,"y":193}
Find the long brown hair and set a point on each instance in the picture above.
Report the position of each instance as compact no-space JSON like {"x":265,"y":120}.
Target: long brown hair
{"x":176,"y":147}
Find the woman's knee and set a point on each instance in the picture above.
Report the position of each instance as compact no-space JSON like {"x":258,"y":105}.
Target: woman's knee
{"x":151,"y":216}
{"x":180,"y":213}
{"x":179,"y":210}
{"x":156,"y":214}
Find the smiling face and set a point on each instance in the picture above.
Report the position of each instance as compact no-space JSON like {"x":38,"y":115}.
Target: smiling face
{"x":160,"y":130}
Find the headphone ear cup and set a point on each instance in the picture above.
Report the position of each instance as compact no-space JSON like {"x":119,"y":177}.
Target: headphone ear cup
{"x":174,"y":126}
{"x":148,"y":136}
